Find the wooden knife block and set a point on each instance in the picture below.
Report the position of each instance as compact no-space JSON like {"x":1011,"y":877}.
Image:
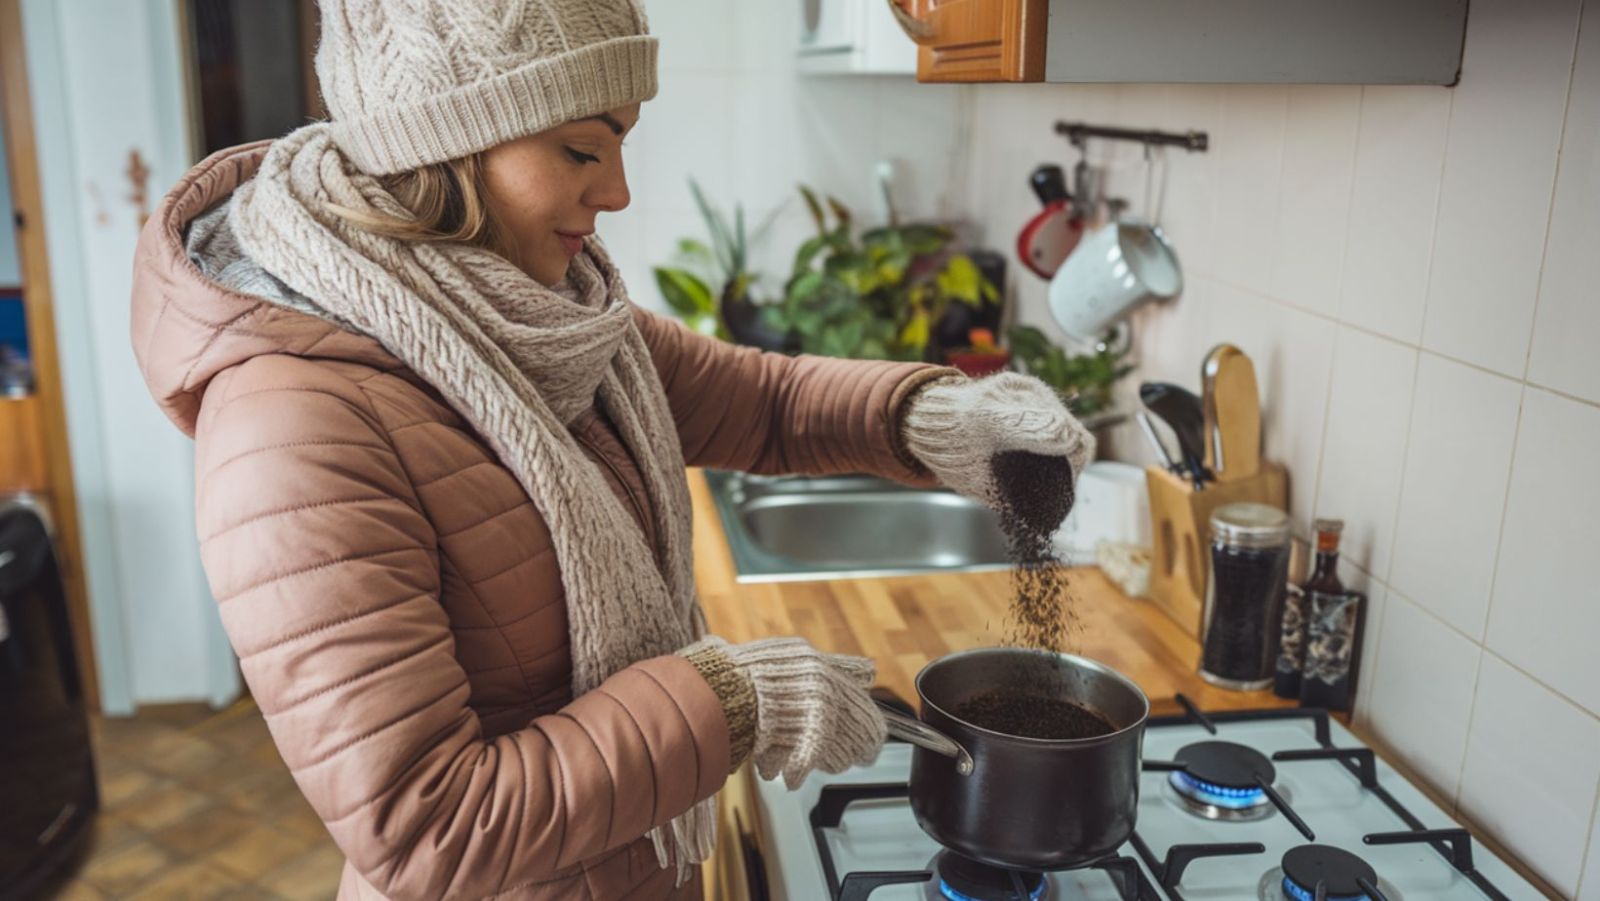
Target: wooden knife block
{"x":1180,"y":525}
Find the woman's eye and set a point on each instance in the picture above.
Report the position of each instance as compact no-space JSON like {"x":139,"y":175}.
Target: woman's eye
{"x":582,"y":158}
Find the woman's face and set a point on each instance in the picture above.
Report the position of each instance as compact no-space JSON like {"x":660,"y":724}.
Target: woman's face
{"x":545,"y":190}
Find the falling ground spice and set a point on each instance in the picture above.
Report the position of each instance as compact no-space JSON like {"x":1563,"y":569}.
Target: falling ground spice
{"x":1036,"y":493}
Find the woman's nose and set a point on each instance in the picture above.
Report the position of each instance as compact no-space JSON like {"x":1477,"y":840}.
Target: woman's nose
{"x":610,"y":194}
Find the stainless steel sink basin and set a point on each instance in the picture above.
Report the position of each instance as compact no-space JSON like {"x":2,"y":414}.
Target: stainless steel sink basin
{"x":793,"y":528}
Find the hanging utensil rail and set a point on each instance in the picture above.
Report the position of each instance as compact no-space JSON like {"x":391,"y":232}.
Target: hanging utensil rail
{"x":1078,"y":133}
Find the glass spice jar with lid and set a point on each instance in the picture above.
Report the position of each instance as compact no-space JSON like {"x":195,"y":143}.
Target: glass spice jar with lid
{"x":1241,"y":621}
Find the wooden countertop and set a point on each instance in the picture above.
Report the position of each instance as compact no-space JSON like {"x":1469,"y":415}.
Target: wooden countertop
{"x":903,"y":623}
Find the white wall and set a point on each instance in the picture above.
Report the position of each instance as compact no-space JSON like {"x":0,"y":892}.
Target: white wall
{"x":733,"y":114}
{"x":1414,"y":271}
{"x":106,"y":81}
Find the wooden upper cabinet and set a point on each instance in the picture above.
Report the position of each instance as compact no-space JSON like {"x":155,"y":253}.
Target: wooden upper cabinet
{"x":980,"y":40}
{"x":1186,"y":41}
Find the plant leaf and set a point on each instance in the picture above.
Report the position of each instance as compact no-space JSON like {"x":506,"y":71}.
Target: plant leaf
{"x":840,"y":211}
{"x":816,"y":209}
{"x":808,"y":252}
{"x":688,"y":296}
{"x":961,"y":280}
{"x":915,"y":335}
{"x":721,"y":240}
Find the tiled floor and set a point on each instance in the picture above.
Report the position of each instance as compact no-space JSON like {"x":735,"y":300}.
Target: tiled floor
{"x":196,"y":804}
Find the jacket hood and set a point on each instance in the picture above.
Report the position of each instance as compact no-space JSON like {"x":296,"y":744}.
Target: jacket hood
{"x":188,"y":328}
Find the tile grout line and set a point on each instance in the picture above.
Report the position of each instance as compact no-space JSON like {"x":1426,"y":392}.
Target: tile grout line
{"x":1589,"y":845}
{"x":1350,"y":201}
{"x":1438,"y":201}
{"x":1510,"y":664}
{"x":1555,"y":179}
{"x":1594,"y":812}
{"x":1307,"y":311}
{"x":1405,"y":453}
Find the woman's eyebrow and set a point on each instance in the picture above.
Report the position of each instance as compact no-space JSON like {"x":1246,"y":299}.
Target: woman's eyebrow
{"x":609,"y":120}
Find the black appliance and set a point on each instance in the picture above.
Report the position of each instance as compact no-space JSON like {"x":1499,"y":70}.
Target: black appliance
{"x":47,"y":777}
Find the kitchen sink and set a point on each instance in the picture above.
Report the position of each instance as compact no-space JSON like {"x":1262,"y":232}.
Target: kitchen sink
{"x":792,"y":528}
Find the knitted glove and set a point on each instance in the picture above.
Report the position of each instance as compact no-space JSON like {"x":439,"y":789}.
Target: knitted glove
{"x":955,"y":427}
{"x":797,"y":709}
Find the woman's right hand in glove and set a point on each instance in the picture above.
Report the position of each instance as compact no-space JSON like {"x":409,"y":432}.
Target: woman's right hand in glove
{"x":791,"y":708}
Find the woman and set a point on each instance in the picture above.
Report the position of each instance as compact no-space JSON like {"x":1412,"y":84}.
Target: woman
{"x":440,"y":486}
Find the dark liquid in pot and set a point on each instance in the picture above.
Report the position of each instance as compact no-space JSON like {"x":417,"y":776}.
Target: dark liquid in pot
{"x":1031,"y":716}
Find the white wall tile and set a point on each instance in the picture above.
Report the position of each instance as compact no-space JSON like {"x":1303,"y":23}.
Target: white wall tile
{"x":1173,"y":335}
{"x":1293,"y":376}
{"x":623,"y":234}
{"x":695,"y":35}
{"x":1420,"y":701}
{"x":1376,"y":612}
{"x":767,"y":156}
{"x":1533,"y":764}
{"x":1589,"y":888}
{"x":684,"y":132}
{"x":921,"y":131}
{"x":1318,"y":157}
{"x":1369,"y":410}
{"x":1188,"y":213}
{"x":837,"y":135}
{"x":1543,"y":615}
{"x":1249,"y":154}
{"x":1494,"y":205}
{"x":766,"y":35}
{"x":1399,"y":161}
{"x":1293,"y":356}
{"x":1563,"y":355}
{"x":1458,"y":461}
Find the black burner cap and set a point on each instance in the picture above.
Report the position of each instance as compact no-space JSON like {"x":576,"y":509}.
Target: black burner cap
{"x":1226,"y":764}
{"x":982,"y":881}
{"x":1336,"y":868}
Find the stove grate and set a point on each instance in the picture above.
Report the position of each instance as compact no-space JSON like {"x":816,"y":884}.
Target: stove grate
{"x":828,"y":813}
{"x":1455,"y":845}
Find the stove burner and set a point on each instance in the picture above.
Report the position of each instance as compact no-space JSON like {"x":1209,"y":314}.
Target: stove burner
{"x":1340,"y":872}
{"x":1221,"y":780}
{"x":964,"y":879}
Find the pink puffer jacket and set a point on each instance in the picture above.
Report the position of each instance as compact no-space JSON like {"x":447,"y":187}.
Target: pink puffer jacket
{"x":393,"y":595}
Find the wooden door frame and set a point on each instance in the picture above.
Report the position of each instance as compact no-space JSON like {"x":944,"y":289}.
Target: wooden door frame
{"x":38,"y":302}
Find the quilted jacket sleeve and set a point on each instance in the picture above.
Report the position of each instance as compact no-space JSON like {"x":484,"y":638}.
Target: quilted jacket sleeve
{"x":739,"y":408}
{"x":328,"y":578}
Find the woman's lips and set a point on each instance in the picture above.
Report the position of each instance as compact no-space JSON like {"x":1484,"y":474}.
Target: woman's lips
{"x":571,"y":243}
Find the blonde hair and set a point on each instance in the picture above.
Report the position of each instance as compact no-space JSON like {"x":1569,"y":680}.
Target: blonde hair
{"x":447,"y":204}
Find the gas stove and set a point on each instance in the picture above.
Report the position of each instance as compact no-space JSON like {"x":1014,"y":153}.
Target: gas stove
{"x":1268,"y":804}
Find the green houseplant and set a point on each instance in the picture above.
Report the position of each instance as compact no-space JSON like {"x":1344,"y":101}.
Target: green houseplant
{"x":876,"y":295}
{"x":710,"y":284}
{"x":1084,"y":380}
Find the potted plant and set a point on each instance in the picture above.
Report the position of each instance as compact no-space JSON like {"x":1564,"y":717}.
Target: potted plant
{"x":726,"y":310}
{"x":1083,"y":380}
{"x":876,"y":295}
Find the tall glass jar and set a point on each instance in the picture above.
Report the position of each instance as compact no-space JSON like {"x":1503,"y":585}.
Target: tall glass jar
{"x":1241,"y":623}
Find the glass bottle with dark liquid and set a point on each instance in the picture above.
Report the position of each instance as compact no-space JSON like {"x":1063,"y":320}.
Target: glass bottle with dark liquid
{"x":1324,"y":580}
{"x":1333,"y":636}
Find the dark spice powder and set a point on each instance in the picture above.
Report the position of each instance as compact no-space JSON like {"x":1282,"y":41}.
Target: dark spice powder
{"x":1036,"y":493}
{"x":1031,"y":716}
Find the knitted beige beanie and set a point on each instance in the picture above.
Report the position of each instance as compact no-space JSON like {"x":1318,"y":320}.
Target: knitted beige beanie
{"x":414,"y":82}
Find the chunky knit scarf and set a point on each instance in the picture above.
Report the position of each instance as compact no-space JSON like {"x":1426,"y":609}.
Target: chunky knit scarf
{"x":519,"y":361}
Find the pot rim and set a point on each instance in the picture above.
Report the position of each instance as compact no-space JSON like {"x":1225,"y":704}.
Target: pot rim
{"x":1073,"y":659}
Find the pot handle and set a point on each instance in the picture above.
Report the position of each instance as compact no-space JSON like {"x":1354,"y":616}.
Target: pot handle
{"x":925,"y":736}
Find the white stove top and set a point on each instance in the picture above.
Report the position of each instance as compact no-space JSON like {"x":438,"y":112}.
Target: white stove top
{"x":881,"y":835}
